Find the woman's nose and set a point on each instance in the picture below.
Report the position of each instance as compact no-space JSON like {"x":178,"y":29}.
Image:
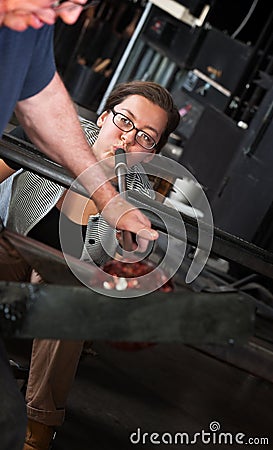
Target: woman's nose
{"x":129,"y":137}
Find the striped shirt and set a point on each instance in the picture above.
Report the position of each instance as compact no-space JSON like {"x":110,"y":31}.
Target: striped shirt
{"x":34,"y":196}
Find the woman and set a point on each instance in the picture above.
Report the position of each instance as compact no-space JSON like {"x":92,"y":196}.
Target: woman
{"x":138,"y":117}
{"x":36,"y":203}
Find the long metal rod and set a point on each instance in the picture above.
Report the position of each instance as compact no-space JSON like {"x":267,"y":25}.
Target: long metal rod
{"x":224,"y":245}
{"x":70,"y":312}
{"x":121,"y":172}
{"x":28,"y":157}
{"x":49,"y":262}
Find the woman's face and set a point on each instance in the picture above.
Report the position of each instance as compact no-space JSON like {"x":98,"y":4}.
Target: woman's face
{"x":145,"y":115}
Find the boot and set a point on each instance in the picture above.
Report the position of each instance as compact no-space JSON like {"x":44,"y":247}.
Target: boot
{"x":39,"y":436}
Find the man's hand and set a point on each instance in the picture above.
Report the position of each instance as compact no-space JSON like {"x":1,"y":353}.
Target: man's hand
{"x":123,"y":216}
{"x":26,"y":5}
{"x":19,"y":14}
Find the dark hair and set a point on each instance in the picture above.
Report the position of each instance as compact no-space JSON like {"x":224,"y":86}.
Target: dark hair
{"x":154,"y":92}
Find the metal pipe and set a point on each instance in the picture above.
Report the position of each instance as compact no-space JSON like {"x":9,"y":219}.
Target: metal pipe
{"x":121,"y":172}
{"x":224,"y":245}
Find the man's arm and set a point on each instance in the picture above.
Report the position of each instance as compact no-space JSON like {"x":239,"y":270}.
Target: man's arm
{"x":51,"y":122}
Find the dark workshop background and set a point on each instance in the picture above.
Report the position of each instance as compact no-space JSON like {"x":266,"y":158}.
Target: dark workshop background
{"x":226,"y":127}
{"x":220,"y":74}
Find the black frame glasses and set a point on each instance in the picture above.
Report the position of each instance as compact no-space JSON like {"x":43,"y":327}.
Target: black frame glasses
{"x":127,"y":125}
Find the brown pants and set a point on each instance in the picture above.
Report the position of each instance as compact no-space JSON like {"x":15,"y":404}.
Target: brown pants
{"x":52,"y":371}
{"x":53,"y":362}
{"x":12,"y":266}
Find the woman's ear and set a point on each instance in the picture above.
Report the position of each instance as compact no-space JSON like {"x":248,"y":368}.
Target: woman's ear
{"x":101,"y":118}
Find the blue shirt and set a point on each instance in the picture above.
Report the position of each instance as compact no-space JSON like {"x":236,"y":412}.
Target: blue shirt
{"x":27,"y":65}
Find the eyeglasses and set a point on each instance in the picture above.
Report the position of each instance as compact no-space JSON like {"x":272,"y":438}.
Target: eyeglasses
{"x":69,"y":4}
{"x":63,"y":5}
{"x":125,"y":124}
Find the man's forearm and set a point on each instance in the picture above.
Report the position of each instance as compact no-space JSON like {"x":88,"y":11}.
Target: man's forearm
{"x":51,"y":122}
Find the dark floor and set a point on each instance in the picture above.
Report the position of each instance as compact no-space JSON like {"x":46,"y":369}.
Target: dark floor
{"x":161,"y":389}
